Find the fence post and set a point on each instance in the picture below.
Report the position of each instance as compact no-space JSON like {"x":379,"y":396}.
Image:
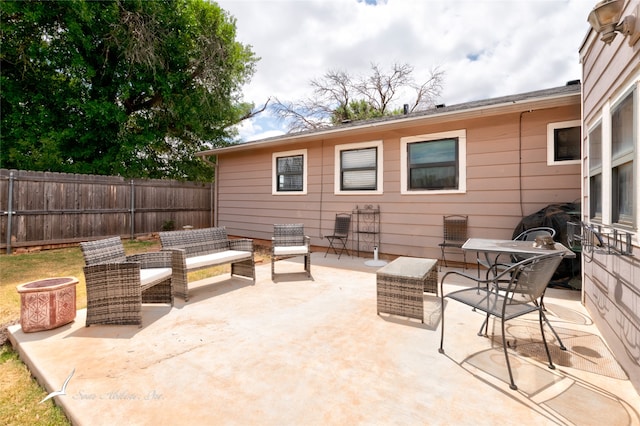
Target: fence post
{"x":9,"y":212}
{"x":133,"y":210}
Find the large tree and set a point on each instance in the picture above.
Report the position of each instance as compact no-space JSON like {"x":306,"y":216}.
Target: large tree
{"x":129,"y":87}
{"x":339,"y":96}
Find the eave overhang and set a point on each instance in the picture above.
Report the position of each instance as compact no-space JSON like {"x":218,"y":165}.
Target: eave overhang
{"x":551,"y":98}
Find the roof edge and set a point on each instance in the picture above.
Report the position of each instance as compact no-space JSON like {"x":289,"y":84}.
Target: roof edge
{"x":496,"y":104}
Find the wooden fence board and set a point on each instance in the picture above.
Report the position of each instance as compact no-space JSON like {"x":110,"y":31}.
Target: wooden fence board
{"x":61,"y":208}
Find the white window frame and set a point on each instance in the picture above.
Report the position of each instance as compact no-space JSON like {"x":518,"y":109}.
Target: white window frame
{"x":551,"y":142}
{"x":633,"y":155}
{"x":274,"y":172}
{"x":337,"y":187}
{"x":607,"y":163}
{"x":598,"y":171}
{"x":461,"y":135}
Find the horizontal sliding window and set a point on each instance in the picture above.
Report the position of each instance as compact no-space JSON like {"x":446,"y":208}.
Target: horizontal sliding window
{"x":433,"y":163}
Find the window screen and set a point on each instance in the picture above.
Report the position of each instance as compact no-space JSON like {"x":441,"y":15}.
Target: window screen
{"x":290,"y":173}
{"x":566,"y":143}
{"x":358,"y":169}
{"x":622,"y":158}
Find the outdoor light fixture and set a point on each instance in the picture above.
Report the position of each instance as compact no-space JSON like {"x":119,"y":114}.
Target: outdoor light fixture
{"x":605,"y":19}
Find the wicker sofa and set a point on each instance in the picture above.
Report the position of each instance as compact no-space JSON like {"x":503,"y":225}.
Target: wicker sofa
{"x":203,"y":248}
{"x":117,"y":285}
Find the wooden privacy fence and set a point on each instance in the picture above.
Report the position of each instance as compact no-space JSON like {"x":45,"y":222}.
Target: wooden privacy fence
{"x":43,"y":208}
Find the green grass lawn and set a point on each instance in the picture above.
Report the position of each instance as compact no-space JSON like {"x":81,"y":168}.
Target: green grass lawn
{"x":21,"y":394}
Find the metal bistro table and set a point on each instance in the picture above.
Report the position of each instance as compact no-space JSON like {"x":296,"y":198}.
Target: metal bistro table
{"x":512,"y":247}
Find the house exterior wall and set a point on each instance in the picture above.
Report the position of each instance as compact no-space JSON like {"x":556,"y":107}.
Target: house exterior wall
{"x":611,"y":283}
{"x":500,"y":189}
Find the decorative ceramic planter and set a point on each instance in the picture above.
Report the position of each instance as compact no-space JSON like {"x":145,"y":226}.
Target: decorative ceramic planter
{"x":47,"y":304}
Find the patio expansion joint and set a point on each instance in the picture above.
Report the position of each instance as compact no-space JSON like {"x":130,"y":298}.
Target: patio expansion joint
{"x":177,"y":354}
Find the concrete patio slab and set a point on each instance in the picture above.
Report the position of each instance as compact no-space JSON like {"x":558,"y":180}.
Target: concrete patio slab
{"x":313,"y":351}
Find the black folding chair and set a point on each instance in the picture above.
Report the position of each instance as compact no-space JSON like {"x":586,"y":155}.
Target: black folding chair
{"x":340,"y":234}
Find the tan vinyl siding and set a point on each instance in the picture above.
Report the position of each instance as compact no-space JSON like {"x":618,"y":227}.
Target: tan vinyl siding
{"x":410,"y":224}
{"x":611,"y":284}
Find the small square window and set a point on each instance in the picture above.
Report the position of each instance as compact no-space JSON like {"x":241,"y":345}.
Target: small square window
{"x":563,"y":142}
{"x":290,"y":176}
{"x":289,"y":172}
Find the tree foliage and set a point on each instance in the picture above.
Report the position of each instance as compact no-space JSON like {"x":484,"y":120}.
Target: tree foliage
{"x":129,"y":87}
{"x":339,"y":97}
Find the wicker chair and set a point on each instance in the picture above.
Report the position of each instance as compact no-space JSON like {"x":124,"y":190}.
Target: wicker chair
{"x":527,"y":282}
{"x":340,"y":234}
{"x":117,"y":285}
{"x":455,"y":235}
{"x":289,"y":240}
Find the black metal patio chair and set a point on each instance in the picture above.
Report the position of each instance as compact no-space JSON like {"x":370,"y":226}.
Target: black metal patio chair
{"x":340,"y":234}
{"x":522,"y":294}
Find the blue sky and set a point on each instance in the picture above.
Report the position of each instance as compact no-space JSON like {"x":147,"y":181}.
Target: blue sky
{"x":486,"y":48}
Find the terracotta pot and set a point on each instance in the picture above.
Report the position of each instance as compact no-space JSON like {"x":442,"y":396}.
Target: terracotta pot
{"x":48,"y":303}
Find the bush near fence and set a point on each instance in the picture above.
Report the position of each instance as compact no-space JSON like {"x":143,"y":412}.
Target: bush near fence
{"x":46,"y":208}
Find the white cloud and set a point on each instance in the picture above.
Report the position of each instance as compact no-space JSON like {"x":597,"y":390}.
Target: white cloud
{"x":487,"y":48}
{"x":262,"y":126}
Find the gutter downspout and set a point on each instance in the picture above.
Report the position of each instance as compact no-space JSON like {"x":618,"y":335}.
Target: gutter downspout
{"x":321,"y":189}
{"x":520,"y":162}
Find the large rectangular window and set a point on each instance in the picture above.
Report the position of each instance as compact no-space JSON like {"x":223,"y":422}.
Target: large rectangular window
{"x":358,"y":168}
{"x":622,"y":160}
{"x":595,"y":172}
{"x":289,"y":172}
{"x":433,"y":163}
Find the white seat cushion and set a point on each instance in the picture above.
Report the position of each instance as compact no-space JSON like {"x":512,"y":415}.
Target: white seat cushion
{"x":290,"y":250}
{"x":218,"y":258}
{"x":154,"y":275}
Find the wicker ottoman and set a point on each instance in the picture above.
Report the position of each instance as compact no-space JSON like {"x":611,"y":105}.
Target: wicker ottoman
{"x":401,"y":283}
